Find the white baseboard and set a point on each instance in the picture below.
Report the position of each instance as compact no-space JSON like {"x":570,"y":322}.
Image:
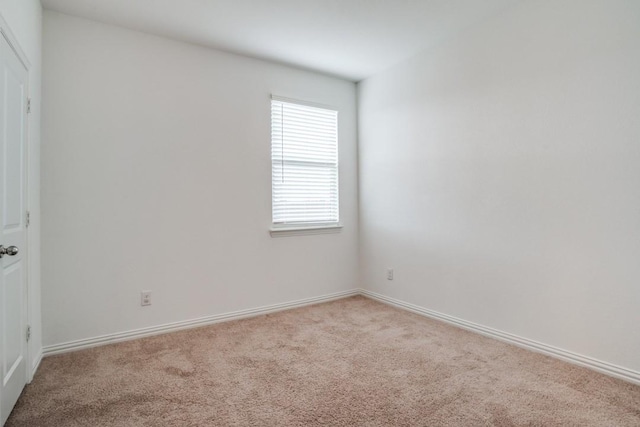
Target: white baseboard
{"x":568,"y":356}
{"x":187,"y":324}
{"x":36,"y":364}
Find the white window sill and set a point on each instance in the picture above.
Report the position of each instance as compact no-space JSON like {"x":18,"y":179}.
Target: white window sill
{"x":304,"y":230}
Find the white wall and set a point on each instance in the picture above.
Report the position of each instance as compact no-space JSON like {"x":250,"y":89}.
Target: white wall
{"x":500,"y":177}
{"x":157,"y":176}
{"x":24,"y":18}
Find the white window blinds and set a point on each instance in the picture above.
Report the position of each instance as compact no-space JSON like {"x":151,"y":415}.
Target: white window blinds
{"x":304,"y":160}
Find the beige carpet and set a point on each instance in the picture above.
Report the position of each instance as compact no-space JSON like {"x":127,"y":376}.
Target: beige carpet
{"x":353,"y":362}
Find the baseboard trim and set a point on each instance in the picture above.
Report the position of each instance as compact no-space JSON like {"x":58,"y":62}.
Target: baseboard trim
{"x":188,"y":324}
{"x":568,"y":356}
{"x":36,"y":364}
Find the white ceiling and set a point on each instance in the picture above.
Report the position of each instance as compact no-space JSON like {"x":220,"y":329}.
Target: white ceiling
{"x":353,"y":39}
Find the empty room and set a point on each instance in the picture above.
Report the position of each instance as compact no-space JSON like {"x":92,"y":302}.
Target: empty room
{"x":319,"y":213}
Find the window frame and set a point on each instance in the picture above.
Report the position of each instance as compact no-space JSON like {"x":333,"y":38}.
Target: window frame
{"x":304,"y":228}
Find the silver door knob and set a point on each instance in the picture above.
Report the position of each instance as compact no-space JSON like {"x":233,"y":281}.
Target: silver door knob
{"x":11,"y":251}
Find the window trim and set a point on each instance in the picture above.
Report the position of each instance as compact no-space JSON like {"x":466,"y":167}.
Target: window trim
{"x":306,"y":103}
{"x":304,"y":230}
{"x":309,"y":228}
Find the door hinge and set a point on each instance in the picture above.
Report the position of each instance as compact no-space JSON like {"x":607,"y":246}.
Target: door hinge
{"x":28,"y":105}
{"x":28,"y":218}
{"x":28,"y":333}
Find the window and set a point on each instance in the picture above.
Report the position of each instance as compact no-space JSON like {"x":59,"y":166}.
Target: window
{"x":304,"y":161}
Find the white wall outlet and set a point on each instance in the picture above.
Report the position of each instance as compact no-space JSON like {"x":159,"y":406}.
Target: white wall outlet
{"x":389,"y":273}
{"x":145,"y":298}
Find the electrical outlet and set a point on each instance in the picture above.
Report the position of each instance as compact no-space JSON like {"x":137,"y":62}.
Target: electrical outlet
{"x":145,"y":298}
{"x":389,"y":273}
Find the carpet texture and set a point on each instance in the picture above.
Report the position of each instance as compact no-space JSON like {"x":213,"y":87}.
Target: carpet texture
{"x":352,"y":362}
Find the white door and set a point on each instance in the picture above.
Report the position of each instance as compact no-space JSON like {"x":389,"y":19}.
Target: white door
{"x":13,"y":233}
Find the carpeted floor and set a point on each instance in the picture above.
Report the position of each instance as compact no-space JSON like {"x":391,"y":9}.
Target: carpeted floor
{"x":352,"y":362}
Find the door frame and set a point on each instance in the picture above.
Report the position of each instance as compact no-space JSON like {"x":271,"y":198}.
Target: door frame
{"x":12,"y":40}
